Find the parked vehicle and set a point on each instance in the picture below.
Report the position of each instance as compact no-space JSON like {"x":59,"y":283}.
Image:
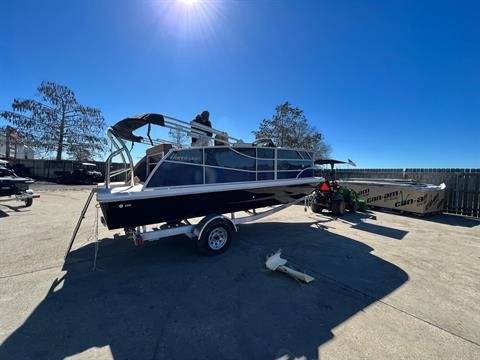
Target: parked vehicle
{"x":13,"y":187}
{"x":332,"y":197}
{"x":21,"y":170}
{"x":81,"y":173}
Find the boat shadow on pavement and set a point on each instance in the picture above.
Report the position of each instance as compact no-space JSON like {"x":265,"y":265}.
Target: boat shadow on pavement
{"x":6,"y":209}
{"x":165,"y":301}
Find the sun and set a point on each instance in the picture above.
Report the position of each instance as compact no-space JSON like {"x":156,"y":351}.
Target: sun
{"x":189,"y":19}
{"x":189,"y":2}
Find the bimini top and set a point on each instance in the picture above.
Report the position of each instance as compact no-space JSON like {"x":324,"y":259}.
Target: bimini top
{"x":124,"y":129}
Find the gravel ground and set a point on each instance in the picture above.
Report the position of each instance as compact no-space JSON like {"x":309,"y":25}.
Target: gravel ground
{"x":40,"y":186}
{"x":397,"y":287}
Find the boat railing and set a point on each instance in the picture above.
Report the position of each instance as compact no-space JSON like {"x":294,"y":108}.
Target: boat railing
{"x":123,"y":131}
{"x":308,"y":168}
{"x":199,"y":130}
{"x":119,"y":149}
{"x":194,"y":130}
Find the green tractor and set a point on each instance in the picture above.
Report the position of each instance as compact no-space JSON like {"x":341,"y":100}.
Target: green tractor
{"x":330,"y":196}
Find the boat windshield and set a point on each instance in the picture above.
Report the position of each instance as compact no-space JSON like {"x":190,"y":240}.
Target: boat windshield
{"x":217,"y":165}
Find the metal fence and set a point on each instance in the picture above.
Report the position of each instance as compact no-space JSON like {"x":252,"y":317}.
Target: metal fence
{"x":463,"y":185}
{"x":45,"y":169}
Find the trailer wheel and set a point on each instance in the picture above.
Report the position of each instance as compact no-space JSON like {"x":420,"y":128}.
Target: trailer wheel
{"x":28,"y":202}
{"x":216,"y":237}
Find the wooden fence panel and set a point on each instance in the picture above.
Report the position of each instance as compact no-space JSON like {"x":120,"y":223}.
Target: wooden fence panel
{"x":467,"y":196}
{"x":473,"y":182}
{"x":460,"y":192}
{"x":474,"y":190}
{"x":476,"y":195}
{"x":449,"y":194}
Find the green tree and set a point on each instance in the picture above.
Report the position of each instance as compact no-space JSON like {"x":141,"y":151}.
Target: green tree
{"x":57,"y":123}
{"x":289,"y":127}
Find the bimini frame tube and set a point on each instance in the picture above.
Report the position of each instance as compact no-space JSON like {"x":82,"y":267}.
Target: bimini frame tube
{"x":120,"y":149}
{"x":186,"y":127}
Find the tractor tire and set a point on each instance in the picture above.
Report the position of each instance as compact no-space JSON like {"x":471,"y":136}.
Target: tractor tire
{"x":316,"y":208}
{"x":353,"y":206}
{"x":338,"y":207}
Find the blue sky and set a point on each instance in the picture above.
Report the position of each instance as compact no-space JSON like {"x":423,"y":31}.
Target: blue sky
{"x":388,"y":83}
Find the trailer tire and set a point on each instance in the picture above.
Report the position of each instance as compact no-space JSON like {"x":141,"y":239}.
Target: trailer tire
{"x":28,"y":202}
{"x":215,"y":237}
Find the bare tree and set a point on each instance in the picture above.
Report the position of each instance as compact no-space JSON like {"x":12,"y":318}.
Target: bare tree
{"x":289,"y":127}
{"x":57,"y":123}
{"x":178,"y":136}
{"x":79,"y":153}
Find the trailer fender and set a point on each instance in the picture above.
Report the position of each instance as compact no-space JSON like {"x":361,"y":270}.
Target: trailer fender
{"x":208,"y":219}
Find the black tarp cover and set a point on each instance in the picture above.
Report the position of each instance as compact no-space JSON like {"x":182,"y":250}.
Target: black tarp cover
{"x":125,"y":128}
{"x":329,"y":161}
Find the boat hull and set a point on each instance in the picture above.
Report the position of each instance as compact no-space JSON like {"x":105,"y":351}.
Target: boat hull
{"x":152,"y":210}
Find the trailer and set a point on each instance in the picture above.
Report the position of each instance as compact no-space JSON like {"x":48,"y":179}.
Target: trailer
{"x":26,"y":197}
{"x":213,"y":232}
{"x":15,"y":188}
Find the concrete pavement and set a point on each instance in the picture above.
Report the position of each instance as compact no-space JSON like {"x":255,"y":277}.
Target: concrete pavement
{"x":396,"y":287}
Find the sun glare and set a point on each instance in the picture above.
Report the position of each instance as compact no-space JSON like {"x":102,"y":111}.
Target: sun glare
{"x":189,"y":19}
{"x":189,"y":2}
